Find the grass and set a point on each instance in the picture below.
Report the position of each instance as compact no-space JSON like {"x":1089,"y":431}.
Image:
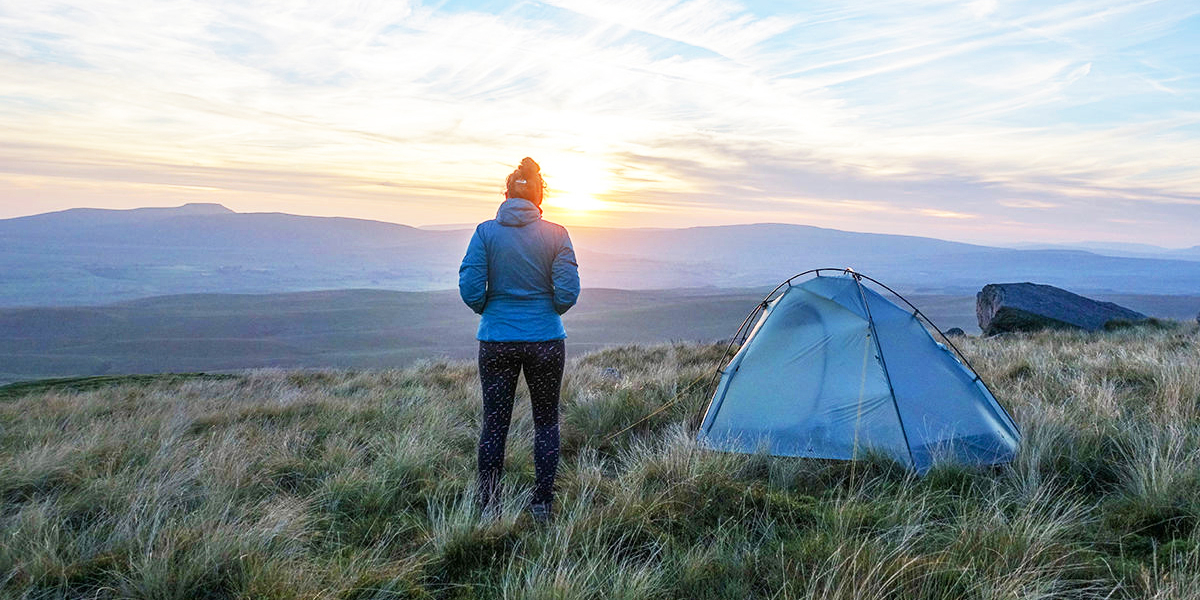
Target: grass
{"x":80,"y":384}
{"x":346,"y":484}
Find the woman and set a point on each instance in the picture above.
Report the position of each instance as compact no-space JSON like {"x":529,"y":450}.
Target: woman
{"x":520,"y":274}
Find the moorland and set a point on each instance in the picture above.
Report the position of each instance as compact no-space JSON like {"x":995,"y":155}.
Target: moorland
{"x":277,"y":483}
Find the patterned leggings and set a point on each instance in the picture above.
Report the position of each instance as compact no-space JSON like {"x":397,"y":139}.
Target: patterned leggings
{"x":499,"y":365}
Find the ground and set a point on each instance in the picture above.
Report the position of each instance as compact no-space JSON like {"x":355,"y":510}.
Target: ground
{"x":356,"y":484}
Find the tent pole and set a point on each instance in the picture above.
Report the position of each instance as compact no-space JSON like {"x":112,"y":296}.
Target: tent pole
{"x":719,"y":371}
{"x":722,"y":364}
{"x":883,"y":363}
{"x":761,"y":305}
{"x":858,"y":277}
{"x":961,"y":356}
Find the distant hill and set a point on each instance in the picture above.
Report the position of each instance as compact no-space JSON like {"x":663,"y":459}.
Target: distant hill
{"x":94,"y":256}
{"x":88,"y":256}
{"x":376,"y":328}
{"x":746,"y":255}
{"x":1120,"y":249}
{"x":336,"y":328}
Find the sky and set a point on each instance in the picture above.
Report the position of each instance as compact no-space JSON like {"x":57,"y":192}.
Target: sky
{"x":985,"y":121}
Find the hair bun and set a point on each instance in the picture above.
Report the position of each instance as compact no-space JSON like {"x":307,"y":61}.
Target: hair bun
{"x":526,"y":182}
{"x":529,"y":167}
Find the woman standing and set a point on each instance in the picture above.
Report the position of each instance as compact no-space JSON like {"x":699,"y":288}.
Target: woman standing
{"x":520,"y":274}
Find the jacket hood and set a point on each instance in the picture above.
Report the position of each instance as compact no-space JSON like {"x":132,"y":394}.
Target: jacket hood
{"x":518,"y":212}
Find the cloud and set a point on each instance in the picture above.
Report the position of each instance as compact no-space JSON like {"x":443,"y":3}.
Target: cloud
{"x":928,"y":116}
{"x":1025,"y":203}
{"x":982,"y":8}
{"x":945,"y":214}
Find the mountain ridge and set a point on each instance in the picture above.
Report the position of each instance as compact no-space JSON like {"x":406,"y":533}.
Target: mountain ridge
{"x":94,"y":256}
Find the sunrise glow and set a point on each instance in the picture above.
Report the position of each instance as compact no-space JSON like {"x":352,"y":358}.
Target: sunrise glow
{"x":978,"y":121}
{"x":575,"y":184}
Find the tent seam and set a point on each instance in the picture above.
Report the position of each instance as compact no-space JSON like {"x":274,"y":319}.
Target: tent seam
{"x":888,"y":376}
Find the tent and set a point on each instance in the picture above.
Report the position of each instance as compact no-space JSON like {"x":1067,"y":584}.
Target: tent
{"x":833,"y":369}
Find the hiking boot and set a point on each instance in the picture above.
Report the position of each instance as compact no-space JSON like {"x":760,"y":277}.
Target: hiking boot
{"x":541,"y":513}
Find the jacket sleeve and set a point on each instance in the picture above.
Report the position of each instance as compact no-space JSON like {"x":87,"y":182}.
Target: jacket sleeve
{"x":473,"y":274}
{"x":566,"y":276}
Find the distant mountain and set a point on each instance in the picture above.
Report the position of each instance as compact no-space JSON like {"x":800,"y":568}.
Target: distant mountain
{"x":86,"y":256}
{"x":748,"y":255}
{"x":1119,"y":249}
{"x":447,"y":226}
{"x":86,"y":218}
{"x":92,"y":256}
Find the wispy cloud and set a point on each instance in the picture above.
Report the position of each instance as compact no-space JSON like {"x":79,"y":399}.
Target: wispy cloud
{"x":981,"y":120}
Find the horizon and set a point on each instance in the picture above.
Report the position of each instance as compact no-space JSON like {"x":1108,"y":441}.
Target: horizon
{"x":981,"y":122}
{"x":1017,"y":245}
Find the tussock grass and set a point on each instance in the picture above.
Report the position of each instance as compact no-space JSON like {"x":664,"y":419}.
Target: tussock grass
{"x":335,"y":484}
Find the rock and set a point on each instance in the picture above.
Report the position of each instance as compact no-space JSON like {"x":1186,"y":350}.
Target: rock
{"x":954,"y":331}
{"x":1009,"y":307}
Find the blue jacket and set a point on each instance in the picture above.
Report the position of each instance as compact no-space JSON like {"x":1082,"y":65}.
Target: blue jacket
{"x":520,"y":274}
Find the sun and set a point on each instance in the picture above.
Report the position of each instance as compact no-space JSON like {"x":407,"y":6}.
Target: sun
{"x":575,"y":184}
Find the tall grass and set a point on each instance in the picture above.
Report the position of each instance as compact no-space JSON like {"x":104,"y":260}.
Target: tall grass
{"x":330,"y":484}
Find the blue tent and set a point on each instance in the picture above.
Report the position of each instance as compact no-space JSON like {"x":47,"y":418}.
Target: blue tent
{"x":832,"y":369}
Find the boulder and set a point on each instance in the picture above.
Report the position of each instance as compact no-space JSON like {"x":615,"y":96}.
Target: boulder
{"x":1009,"y":307}
{"x":953,"y":332}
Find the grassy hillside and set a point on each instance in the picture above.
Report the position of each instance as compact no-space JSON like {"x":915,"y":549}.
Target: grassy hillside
{"x":342,"y":484}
